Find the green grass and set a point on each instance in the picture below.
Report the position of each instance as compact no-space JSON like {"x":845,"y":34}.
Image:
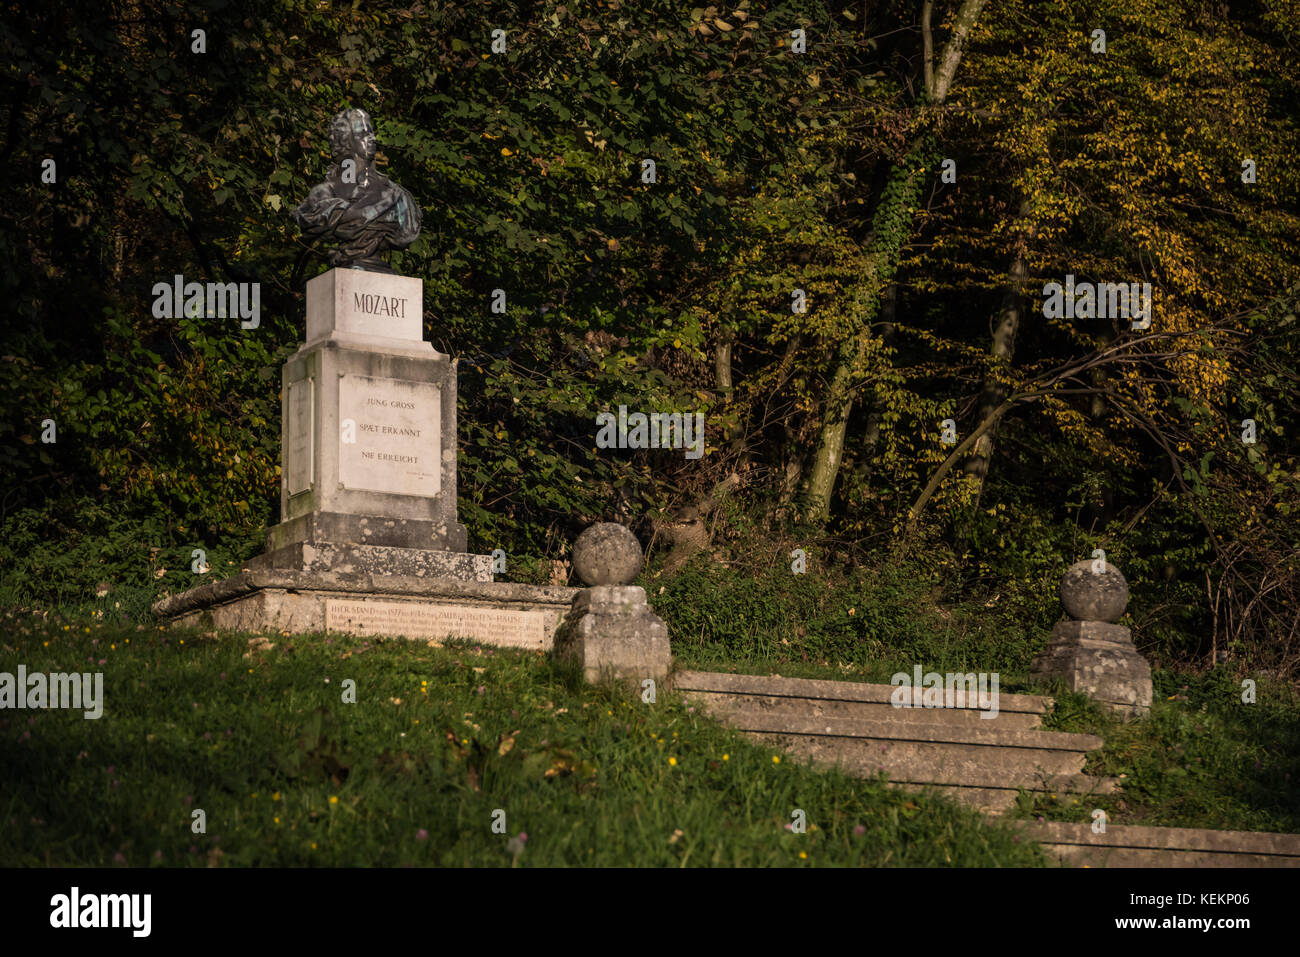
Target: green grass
{"x":439,"y":738}
{"x":1201,"y":758}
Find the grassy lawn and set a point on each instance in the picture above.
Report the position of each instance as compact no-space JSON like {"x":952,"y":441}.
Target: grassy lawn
{"x":439,"y":738}
{"x":1201,"y":758}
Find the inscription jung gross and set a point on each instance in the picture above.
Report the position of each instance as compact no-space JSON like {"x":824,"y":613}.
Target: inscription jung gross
{"x":398,"y":426}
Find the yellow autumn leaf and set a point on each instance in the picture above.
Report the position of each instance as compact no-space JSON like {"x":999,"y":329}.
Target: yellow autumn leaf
{"x":506,"y":151}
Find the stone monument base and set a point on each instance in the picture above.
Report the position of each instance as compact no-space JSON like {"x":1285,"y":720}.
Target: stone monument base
{"x":366,"y":530}
{"x":1099,"y":659}
{"x":347,"y":558}
{"x":300,"y":601}
{"x":612,"y":634}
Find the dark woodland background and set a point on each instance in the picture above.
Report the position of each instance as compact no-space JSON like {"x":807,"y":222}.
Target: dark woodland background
{"x":776,"y":172}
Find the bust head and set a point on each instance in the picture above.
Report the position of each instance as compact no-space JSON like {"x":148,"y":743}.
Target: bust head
{"x":353,"y":135}
{"x":357,"y":209}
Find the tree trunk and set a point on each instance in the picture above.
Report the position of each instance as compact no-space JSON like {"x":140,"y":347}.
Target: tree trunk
{"x":875,"y":414}
{"x":724,"y":386}
{"x":1003,"y":349}
{"x":891,"y":227}
{"x":830,"y":444}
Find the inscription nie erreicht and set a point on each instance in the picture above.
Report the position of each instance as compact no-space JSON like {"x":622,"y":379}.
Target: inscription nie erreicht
{"x":397,"y":426}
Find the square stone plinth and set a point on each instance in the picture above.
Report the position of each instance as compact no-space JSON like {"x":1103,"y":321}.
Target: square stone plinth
{"x":612,"y":634}
{"x":359,"y":304}
{"x":1098,"y":659}
{"x":369,"y":448}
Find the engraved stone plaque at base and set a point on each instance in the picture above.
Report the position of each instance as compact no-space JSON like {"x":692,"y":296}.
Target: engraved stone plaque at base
{"x":496,"y":626}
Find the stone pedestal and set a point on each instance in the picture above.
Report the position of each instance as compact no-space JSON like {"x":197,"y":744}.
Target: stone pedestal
{"x":610,"y":631}
{"x":368,"y":541}
{"x":612,"y":634}
{"x":369,"y":423}
{"x":1097,"y":658}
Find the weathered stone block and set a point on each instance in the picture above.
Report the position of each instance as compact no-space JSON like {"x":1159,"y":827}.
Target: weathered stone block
{"x":612,"y":634}
{"x":1107,"y":668}
{"x":366,"y":530}
{"x":348,"y":558}
{"x":369,"y":434}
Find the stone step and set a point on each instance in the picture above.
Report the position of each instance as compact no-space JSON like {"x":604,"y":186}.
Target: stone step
{"x":901,"y":729}
{"x":918,"y":753}
{"x":1126,"y":845}
{"x":855,"y":727}
{"x":986,"y":800}
{"x":994,"y":800}
{"x":726,"y":703}
{"x":958,"y":764}
{"x":849,"y":698}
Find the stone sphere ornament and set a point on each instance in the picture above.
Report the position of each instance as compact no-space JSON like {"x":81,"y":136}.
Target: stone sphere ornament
{"x":607,"y":554}
{"x":1094,"y":596}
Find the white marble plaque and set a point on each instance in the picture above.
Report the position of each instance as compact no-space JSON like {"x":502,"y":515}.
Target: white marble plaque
{"x":356,"y":302}
{"x":298,"y":468}
{"x":416,"y":619}
{"x":397,"y":425}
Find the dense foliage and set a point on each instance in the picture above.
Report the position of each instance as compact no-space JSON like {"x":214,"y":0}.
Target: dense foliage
{"x":776,"y":171}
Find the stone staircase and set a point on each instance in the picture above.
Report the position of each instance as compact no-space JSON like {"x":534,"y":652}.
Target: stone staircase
{"x":1126,"y":845}
{"x":981,"y":761}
